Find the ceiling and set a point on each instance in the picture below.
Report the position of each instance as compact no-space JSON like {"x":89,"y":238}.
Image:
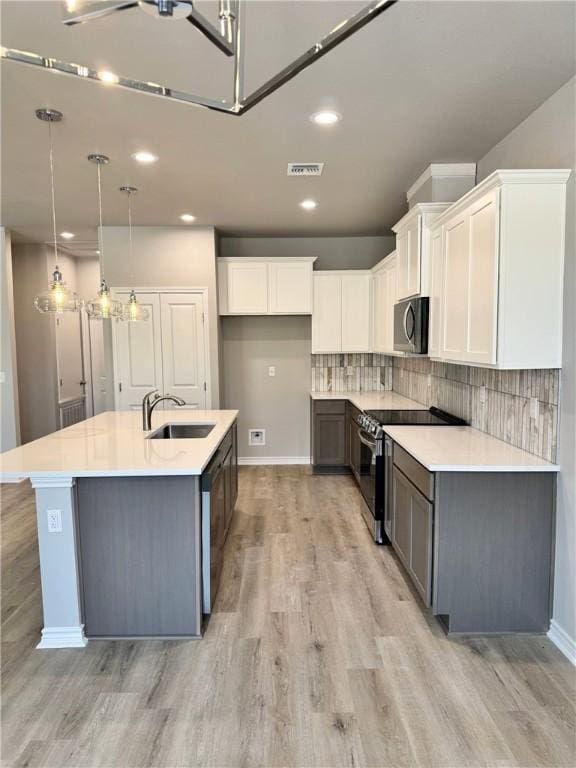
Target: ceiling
{"x":425,"y":82}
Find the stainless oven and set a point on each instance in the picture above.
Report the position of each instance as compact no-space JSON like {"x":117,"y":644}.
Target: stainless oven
{"x":411,"y":325}
{"x":371,"y":479}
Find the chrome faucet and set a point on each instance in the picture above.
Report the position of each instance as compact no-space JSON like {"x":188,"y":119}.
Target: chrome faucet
{"x":149,"y":403}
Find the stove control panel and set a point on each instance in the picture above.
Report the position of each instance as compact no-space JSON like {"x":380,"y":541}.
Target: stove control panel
{"x":370,"y":425}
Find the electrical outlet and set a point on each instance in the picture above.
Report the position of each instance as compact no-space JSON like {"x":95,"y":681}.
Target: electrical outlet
{"x":271,"y":370}
{"x":482,"y":394}
{"x":349,"y":370}
{"x":256,"y":437}
{"x":534,"y":408}
{"x":54,"y":517}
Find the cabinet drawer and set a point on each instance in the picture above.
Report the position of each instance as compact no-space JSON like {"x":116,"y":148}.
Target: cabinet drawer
{"x":414,"y":471}
{"x":330,"y":406}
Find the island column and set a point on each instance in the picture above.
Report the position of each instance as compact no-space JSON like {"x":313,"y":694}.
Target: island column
{"x":59,"y":567}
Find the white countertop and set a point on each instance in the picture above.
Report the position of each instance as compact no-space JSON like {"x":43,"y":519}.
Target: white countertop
{"x":114,"y":444}
{"x":465,"y":449}
{"x":372,"y":401}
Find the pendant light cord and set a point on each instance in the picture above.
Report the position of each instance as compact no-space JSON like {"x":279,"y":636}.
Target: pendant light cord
{"x":52,"y":191}
{"x":100,"y":235}
{"x":130,"y":251}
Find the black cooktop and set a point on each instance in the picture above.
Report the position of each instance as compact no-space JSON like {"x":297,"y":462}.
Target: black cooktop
{"x":434,"y":416}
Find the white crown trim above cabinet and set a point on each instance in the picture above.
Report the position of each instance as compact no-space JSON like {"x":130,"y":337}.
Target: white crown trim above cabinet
{"x":169,"y":351}
{"x":413,"y":249}
{"x":497,"y":272}
{"x":342,"y":317}
{"x":384,"y":293}
{"x":265,"y":286}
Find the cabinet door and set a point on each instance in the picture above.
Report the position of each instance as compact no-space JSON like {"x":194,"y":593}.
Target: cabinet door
{"x":290,"y":287}
{"x":412,"y":533}
{"x":330,"y":440}
{"x":327,"y":315}
{"x":138,"y":354}
{"x":380,"y":285}
{"x":483,"y":280}
{"x":183,"y":353}
{"x":455,"y":288}
{"x":356,"y":313}
{"x":435,"y":321}
{"x":247,"y":287}
{"x":408,"y":259}
{"x":234,"y":465}
{"x":401,"y":516}
{"x":389,"y":301}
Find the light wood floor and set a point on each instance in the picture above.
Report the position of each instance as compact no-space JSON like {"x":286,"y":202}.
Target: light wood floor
{"x":318,"y":655}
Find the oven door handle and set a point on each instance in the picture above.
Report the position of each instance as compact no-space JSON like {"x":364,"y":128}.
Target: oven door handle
{"x":365,"y":438}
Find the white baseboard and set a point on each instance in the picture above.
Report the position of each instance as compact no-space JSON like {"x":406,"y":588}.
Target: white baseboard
{"x":563,"y":641}
{"x":63,"y":637}
{"x":249,"y":461}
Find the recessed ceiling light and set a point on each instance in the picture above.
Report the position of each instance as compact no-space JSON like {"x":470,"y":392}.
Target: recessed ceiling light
{"x":108,"y":77}
{"x":67,"y":235}
{"x":144,"y":157}
{"x":188,"y":217}
{"x":326,"y":117}
{"x":308,"y":205}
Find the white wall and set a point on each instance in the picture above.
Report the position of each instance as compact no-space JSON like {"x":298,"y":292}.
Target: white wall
{"x":546,"y":139}
{"x":167,"y":257}
{"x":9,"y":414}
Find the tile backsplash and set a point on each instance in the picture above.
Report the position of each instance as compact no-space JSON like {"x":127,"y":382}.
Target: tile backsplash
{"x":351,"y":373}
{"x":497,"y":402}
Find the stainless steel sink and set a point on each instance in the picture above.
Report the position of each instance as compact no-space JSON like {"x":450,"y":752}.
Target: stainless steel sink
{"x":175,"y":431}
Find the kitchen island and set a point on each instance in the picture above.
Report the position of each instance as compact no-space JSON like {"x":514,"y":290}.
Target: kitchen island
{"x":120,"y":526}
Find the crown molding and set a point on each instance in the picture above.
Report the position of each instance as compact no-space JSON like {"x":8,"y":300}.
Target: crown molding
{"x":442,"y":171}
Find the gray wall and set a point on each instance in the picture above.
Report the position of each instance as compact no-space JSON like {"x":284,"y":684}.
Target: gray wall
{"x":9,"y":415}
{"x":167,"y":257}
{"x":35,"y":340}
{"x":331,"y":252}
{"x":546,"y":139}
{"x":280,"y":405}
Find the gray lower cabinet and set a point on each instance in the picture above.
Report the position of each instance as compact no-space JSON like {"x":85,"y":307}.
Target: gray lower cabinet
{"x":329,"y":436}
{"x":354,"y":441}
{"x":412,"y":533}
{"x":476,"y":545}
{"x":139,"y":556}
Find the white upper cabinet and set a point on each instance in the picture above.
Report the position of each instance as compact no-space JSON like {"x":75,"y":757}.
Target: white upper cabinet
{"x":384,"y":289}
{"x":290,"y":284}
{"x":265,"y":286}
{"x":497,"y":261}
{"x":342,"y":317}
{"x":413,"y":250}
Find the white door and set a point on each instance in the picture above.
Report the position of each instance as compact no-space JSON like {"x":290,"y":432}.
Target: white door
{"x":247,"y":287}
{"x":402,"y":264}
{"x":138,"y":354}
{"x":183,"y":352}
{"x":327,"y":315}
{"x":356,"y":313}
{"x":413,"y":254}
{"x":380,"y":286}
{"x":290,"y":287}
{"x":455,"y":289}
{"x":483,"y":280}
{"x":435,"y":323}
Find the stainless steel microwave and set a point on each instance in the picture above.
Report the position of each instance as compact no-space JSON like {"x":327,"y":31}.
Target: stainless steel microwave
{"x":411,"y":325}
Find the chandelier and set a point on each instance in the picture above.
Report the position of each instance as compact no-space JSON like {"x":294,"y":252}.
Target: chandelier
{"x":227,"y":38}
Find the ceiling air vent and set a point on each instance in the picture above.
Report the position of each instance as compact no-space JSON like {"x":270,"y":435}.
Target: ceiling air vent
{"x":305,"y":169}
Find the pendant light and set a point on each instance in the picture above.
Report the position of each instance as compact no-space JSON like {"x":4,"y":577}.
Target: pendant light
{"x":103,"y":306}
{"x":133,"y":311}
{"x":58,"y":298}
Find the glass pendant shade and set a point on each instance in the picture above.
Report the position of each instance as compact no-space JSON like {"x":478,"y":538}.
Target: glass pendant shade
{"x":58,"y":298}
{"x":104,"y":307}
{"x":133,"y":310}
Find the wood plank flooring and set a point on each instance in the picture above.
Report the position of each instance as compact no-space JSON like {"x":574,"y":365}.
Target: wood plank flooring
{"x":318,"y":654}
